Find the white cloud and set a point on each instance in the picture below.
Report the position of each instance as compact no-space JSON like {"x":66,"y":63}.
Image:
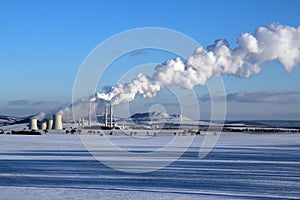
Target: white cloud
{"x":279,"y":96}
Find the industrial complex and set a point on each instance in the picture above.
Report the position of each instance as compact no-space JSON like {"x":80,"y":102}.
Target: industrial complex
{"x":55,"y":123}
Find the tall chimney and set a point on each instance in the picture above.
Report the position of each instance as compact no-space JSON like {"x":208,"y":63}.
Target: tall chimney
{"x":110,"y":116}
{"x":90,"y":113}
{"x":106,"y":115}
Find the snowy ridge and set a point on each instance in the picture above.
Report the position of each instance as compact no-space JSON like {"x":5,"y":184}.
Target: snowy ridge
{"x":159,"y":117}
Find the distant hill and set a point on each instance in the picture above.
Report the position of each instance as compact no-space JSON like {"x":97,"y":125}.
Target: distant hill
{"x":11,"y":120}
{"x":149,"y":116}
{"x":264,"y":123}
{"x":158,"y":117}
{"x":7,"y":120}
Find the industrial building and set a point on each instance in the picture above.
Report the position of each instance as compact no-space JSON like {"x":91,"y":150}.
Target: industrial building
{"x":108,"y":119}
{"x":55,"y":123}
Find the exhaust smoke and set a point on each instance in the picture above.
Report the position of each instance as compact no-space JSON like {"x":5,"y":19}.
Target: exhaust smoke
{"x":272,"y":43}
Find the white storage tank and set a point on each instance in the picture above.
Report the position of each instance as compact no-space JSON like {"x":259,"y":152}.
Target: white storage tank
{"x":57,"y":122}
{"x":33,"y":124}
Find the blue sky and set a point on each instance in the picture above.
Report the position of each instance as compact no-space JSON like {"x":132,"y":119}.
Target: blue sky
{"x":43,"y":43}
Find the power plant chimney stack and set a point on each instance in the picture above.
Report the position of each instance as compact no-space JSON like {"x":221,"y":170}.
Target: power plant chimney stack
{"x":90,"y":113}
{"x":106,"y":112}
{"x":110,"y":116}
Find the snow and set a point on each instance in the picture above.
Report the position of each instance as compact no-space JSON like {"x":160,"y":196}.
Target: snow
{"x":241,"y":166}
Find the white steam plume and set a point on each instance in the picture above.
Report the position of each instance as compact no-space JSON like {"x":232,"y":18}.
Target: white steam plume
{"x":273,"y":43}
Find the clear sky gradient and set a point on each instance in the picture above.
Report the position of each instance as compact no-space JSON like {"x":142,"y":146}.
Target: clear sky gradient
{"x":43,"y":43}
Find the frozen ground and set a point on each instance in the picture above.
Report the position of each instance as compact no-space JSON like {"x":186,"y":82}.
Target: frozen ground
{"x":241,"y":166}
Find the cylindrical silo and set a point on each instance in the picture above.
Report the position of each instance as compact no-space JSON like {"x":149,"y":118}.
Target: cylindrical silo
{"x":50,"y":124}
{"x":57,"y":122}
{"x":33,"y":124}
{"x":43,"y":125}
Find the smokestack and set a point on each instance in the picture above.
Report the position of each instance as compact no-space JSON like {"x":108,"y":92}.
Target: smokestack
{"x":106,"y":115}
{"x":110,"y":116}
{"x":90,"y":113}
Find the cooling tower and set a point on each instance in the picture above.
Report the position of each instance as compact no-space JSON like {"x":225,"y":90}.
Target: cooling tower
{"x":57,"y":122}
{"x":44,"y":126}
{"x":50,"y":124}
{"x":33,"y":124}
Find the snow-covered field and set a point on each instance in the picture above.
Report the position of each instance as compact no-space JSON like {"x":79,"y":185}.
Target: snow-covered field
{"x":241,"y":166}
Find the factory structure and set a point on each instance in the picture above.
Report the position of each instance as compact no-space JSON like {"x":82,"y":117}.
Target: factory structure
{"x":108,"y":123}
{"x":55,"y":123}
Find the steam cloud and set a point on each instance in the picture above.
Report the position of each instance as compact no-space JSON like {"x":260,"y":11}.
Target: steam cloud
{"x":273,"y":43}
